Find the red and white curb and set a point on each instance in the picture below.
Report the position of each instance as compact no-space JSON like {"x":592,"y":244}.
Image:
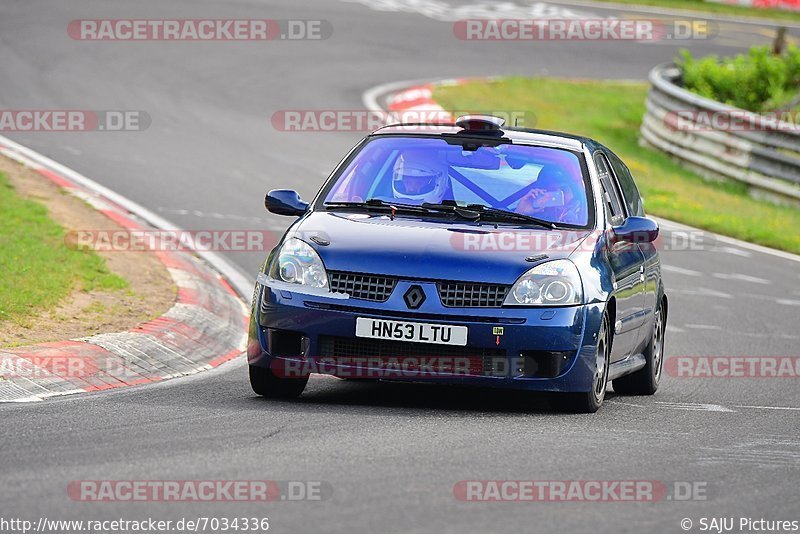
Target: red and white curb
{"x":415,"y":101}
{"x":412,"y":98}
{"x":206,"y":325}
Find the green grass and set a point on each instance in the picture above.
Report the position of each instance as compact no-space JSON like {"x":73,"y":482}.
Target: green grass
{"x":719,"y":9}
{"x":611,"y":113}
{"x":38,"y":269}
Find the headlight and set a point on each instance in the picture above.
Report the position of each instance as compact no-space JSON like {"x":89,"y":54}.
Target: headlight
{"x":298,"y":263}
{"x":553,"y":283}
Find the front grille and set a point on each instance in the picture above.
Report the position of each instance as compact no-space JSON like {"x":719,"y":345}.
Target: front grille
{"x":377,"y":358}
{"x":362,"y":286}
{"x":470,"y":295}
{"x":332,"y":346}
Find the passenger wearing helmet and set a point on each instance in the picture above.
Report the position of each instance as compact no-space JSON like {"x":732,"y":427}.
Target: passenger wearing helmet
{"x":418,"y":177}
{"x":554,"y":198}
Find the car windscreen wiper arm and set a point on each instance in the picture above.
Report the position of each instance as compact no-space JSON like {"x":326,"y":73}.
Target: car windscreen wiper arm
{"x":496,"y":213}
{"x":464,"y":213}
{"x":376,"y":203}
{"x":371,"y":203}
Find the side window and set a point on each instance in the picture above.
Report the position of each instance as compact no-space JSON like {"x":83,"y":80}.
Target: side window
{"x":632,"y":198}
{"x":611,"y":194}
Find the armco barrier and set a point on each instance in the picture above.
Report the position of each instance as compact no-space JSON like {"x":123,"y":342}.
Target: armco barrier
{"x":764,"y":154}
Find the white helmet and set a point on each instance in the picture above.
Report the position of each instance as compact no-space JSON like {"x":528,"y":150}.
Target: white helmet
{"x":415,"y":178}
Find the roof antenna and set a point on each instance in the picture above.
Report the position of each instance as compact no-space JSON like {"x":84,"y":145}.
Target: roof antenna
{"x":516,"y":121}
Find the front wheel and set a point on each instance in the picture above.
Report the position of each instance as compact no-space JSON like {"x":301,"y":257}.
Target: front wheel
{"x":265,"y":383}
{"x":590,"y":401}
{"x":645,"y":380}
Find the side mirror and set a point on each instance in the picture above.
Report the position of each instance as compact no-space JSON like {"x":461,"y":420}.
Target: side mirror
{"x":285,"y":202}
{"x":637,"y":230}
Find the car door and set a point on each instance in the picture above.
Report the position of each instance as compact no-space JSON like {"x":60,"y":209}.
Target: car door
{"x":627,"y":265}
{"x":652,"y":267}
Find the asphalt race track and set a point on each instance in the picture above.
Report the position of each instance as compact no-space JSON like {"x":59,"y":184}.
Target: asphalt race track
{"x":391,"y":453}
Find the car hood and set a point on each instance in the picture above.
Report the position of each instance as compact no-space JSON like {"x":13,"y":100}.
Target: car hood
{"x":433,"y":249}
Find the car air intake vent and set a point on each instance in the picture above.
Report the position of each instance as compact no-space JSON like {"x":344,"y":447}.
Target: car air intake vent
{"x":469,"y":295}
{"x":362,"y":286}
{"x":345,"y":347}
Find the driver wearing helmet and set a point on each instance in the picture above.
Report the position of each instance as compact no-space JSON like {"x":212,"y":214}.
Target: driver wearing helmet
{"x":416,"y":177}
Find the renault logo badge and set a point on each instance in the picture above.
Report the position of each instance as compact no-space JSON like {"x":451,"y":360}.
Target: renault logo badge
{"x":414,"y":297}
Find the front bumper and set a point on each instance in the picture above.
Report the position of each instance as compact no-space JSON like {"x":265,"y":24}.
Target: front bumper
{"x":542,"y":349}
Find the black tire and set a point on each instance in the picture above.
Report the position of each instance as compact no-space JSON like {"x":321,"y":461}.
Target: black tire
{"x":265,"y":383}
{"x":590,"y":401}
{"x":645,"y":380}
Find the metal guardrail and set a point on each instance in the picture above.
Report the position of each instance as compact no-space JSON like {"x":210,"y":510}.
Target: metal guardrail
{"x":764,"y":153}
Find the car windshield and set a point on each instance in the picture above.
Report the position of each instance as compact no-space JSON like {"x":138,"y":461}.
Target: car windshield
{"x":541,"y":182}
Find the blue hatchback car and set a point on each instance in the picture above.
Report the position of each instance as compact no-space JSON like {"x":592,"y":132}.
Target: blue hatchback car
{"x":467,"y":253}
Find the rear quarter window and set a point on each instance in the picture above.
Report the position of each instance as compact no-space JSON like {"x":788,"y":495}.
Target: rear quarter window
{"x":612,"y":198}
{"x":629,"y":190}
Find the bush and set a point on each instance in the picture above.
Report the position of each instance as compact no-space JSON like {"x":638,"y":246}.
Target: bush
{"x":756,"y":81}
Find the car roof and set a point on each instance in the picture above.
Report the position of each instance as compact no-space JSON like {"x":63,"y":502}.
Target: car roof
{"x":521,"y":135}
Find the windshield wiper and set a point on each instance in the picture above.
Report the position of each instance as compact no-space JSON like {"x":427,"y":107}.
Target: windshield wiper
{"x":498,"y":214}
{"x":371,"y":203}
{"x":376,"y":203}
{"x":472,"y":212}
{"x":446,"y":207}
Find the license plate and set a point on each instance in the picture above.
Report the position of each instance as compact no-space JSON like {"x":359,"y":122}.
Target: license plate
{"x":441,"y":334}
